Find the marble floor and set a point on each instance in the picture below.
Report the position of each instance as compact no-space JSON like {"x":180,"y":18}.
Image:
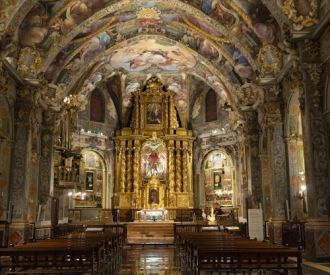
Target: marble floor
{"x":153,"y":260}
{"x":150,"y":260}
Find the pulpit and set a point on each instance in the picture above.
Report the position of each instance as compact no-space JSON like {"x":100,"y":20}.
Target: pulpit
{"x":154,"y":155}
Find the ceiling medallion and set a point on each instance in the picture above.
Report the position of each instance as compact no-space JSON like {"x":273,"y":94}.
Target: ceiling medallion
{"x":269,"y":60}
{"x":148,"y":13}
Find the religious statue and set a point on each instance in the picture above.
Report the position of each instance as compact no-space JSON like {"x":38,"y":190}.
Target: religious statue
{"x":153,"y":196}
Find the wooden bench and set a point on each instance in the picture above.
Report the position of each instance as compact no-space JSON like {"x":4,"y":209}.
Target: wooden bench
{"x":96,"y":252}
{"x":221,"y":251}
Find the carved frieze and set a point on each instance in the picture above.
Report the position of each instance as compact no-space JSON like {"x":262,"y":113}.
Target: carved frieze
{"x":303,"y":14}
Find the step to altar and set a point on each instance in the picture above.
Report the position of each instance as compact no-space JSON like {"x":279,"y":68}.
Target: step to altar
{"x":150,"y":233}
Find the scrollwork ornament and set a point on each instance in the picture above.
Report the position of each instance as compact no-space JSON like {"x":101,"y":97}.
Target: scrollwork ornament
{"x":29,"y":61}
{"x":269,"y":60}
{"x":289,"y":8}
{"x":248,"y":95}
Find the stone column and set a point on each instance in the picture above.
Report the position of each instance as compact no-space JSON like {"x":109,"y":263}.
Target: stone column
{"x":265,"y":171}
{"x":278,"y":167}
{"x":317,"y":227}
{"x":21,"y":167}
{"x":46,"y":172}
{"x":252,"y":149}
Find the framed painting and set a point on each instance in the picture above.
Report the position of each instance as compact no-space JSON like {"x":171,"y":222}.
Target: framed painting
{"x":154,"y":114}
{"x":217,"y":180}
{"x":89,"y":181}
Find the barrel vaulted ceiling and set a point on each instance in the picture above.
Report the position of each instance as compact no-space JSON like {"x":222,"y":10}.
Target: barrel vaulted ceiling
{"x":72,"y":45}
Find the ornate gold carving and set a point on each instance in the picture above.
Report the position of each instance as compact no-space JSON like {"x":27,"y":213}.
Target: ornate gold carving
{"x":129,"y":167}
{"x":300,"y":21}
{"x":123,"y":166}
{"x":248,"y":94}
{"x":269,"y":60}
{"x":178,"y":164}
{"x":154,"y":85}
{"x":29,"y":61}
{"x":185,"y":166}
{"x":148,"y":13}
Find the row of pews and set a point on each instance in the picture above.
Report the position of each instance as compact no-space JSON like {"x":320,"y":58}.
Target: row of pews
{"x":225,"y":252}
{"x":94,"y":251}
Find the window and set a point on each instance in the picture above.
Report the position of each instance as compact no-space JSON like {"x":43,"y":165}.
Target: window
{"x":97,"y":108}
{"x":211,"y":106}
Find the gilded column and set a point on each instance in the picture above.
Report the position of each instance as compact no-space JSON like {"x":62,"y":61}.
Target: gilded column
{"x":118,"y":160}
{"x":129,"y":167}
{"x":136,"y":171}
{"x":178,"y":167}
{"x":123,"y":166}
{"x":185,"y":166}
{"x":173,"y":122}
{"x":190,"y":167}
{"x":171,"y":170}
{"x":136,"y":115}
{"x":166,"y":113}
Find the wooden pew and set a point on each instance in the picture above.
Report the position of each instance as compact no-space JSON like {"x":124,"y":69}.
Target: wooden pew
{"x":95,"y":252}
{"x":220,"y":251}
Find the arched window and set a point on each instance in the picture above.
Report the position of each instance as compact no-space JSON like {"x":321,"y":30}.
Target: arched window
{"x":97,"y":108}
{"x":211,"y":106}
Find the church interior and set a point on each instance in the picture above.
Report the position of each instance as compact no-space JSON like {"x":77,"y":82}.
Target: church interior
{"x":165,"y":137}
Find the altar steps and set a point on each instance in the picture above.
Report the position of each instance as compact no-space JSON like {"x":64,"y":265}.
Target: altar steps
{"x":150,"y":233}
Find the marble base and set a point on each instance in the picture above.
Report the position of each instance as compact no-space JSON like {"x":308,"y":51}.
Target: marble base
{"x":19,"y":232}
{"x":317,"y":238}
{"x":3,"y":234}
{"x":275,"y":231}
{"x":150,"y":233}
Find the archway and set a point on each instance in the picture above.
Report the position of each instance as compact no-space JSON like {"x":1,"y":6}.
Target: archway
{"x":218,"y":180}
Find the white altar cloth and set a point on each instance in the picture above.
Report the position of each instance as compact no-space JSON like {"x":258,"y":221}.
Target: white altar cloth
{"x":159,"y":214}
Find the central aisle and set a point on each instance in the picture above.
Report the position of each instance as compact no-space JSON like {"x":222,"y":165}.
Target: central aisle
{"x":149,"y":261}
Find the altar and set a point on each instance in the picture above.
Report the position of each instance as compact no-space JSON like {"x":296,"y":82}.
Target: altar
{"x":153,"y":164}
{"x":146,"y":215}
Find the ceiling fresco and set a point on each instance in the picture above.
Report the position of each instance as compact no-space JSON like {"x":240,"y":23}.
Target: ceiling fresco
{"x":77,"y":44}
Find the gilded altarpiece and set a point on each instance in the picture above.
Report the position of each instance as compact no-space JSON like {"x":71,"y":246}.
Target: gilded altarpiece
{"x":154,"y":155}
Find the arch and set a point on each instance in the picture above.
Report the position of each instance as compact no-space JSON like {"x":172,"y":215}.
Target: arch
{"x":217,"y":181}
{"x":97,"y":106}
{"x":95,"y":180}
{"x":174,"y":5}
{"x":203,"y":69}
{"x":211,"y":106}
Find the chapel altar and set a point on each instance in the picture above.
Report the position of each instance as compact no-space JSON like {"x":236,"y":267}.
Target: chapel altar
{"x":154,"y":155}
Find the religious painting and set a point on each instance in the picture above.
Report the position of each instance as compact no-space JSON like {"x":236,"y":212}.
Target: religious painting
{"x":89,"y":181}
{"x":137,"y":56}
{"x":154,"y":113}
{"x":217,"y":180}
{"x":153,"y":196}
{"x":154,"y":160}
